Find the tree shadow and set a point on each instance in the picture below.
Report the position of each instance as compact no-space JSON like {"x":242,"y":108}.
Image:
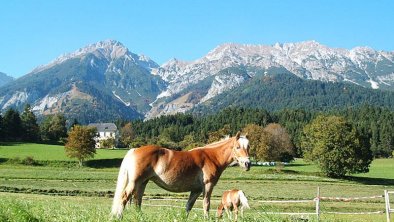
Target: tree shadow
{"x":9,"y":143}
{"x":3,"y":160}
{"x":296,"y":164}
{"x":371,"y":180}
{"x":104,"y":163}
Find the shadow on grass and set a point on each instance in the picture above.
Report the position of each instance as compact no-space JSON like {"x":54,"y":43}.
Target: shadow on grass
{"x":297,"y":164}
{"x":3,"y":160}
{"x":10,"y":143}
{"x":104,"y":163}
{"x":371,"y":180}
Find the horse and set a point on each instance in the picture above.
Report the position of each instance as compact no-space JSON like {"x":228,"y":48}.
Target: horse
{"x":231,"y":201}
{"x":196,"y":171}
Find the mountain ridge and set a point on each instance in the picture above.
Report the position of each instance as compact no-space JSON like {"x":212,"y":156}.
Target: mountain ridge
{"x":107,"y":73}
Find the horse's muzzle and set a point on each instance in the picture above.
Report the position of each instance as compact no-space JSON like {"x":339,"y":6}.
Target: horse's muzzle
{"x":245,"y":163}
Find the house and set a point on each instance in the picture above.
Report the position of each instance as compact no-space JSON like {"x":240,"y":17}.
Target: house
{"x":107,"y":135}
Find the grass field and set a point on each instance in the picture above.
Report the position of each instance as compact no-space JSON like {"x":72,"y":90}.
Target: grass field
{"x":66,"y":192}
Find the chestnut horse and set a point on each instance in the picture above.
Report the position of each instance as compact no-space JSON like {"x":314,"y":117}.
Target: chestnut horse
{"x":196,"y":171}
{"x":231,"y":201}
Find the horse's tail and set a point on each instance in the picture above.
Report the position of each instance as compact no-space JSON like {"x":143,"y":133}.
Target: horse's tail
{"x":244,"y":201}
{"x":123,"y":179}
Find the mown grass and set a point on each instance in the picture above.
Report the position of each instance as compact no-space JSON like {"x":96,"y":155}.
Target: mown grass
{"x":48,"y":152}
{"x":55,"y":191}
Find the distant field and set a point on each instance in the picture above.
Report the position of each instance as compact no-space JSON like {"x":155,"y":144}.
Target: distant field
{"x":72,"y":193}
{"x":49,"y":152}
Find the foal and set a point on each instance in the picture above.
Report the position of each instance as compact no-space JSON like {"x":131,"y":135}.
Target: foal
{"x":231,"y":201}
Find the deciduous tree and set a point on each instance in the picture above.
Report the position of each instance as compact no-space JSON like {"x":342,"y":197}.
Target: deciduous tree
{"x":80,"y":143}
{"x":335,"y":146}
{"x":269,"y":144}
{"x":127,"y":134}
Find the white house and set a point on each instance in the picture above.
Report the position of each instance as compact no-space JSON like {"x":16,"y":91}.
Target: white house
{"x":105,"y":131}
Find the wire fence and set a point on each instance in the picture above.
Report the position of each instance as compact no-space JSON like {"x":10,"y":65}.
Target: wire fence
{"x":317,"y":201}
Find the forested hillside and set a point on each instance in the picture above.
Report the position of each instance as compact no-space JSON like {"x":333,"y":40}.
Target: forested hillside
{"x":286,"y":91}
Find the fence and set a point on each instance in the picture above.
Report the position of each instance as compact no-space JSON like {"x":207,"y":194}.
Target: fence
{"x":319,"y":198}
{"x":317,"y":201}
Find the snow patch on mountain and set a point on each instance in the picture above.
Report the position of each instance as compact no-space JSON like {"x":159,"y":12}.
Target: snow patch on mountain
{"x":126,"y":103}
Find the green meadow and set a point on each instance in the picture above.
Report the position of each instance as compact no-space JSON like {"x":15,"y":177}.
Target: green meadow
{"x":39,"y":183}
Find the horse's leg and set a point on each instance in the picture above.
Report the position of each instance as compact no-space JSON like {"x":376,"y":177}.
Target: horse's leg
{"x":192,"y":199}
{"x":219,"y":214}
{"x":207,"y":199}
{"x":228,"y":212}
{"x":128,"y":192}
{"x":235,"y":209}
{"x":235,"y":212}
{"x":139,"y":192}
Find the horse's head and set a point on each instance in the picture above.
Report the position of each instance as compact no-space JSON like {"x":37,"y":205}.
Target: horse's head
{"x":241,"y":151}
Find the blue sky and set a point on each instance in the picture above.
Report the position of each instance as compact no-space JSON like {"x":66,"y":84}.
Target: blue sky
{"x":34,"y":32}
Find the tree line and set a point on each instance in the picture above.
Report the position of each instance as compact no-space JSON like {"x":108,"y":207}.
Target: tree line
{"x":341,"y":142}
{"x":24,"y":127}
{"x":182,"y":131}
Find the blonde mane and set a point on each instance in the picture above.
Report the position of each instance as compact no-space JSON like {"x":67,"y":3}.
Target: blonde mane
{"x":214,"y":144}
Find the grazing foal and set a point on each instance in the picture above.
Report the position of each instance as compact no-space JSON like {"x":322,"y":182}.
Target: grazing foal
{"x":196,"y":171}
{"x":231,"y":201}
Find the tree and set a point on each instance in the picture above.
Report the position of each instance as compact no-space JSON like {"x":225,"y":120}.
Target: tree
{"x":269,"y":144}
{"x":219,"y":134}
{"x":1,"y":127}
{"x":189,"y":142}
{"x":29,"y":125}
{"x":53,"y":128}
{"x":127,"y":134}
{"x":335,"y":146}
{"x":282,"y":146}
{"x":257,"y":145}
{"x":12,"y":125}
{"x":80,"y":143}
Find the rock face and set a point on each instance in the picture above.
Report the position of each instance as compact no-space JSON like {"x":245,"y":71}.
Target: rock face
{"x":229,"y":65}
{"x":105,"y":80}
{"x":102,"y":81}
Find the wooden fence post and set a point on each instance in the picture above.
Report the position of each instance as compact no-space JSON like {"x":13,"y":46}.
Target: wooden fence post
{"x":318,"y":204}
{"x":387,"y":201}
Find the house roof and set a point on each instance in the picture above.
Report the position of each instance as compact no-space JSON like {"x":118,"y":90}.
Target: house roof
{"x":104,"y":127}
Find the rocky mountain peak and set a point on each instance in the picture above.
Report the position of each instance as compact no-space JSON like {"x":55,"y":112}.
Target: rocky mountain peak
{"x":108,"y":50}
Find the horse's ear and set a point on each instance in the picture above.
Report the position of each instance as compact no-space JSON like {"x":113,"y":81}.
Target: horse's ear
{"x":246,"y":135}
{"x":238,"y":135}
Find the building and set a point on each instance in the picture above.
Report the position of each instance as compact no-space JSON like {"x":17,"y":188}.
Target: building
{"x":107,"y":135}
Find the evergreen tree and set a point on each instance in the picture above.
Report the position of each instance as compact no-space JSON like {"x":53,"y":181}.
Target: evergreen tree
{"x":29,"y":124}
{"x":1,"y":128}
{"x":53,"y":128}
{"x":12,"y":125}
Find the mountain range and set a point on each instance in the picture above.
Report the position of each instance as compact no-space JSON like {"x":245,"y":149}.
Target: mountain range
{"x":105,"y":81}
{"x":4,"y":79}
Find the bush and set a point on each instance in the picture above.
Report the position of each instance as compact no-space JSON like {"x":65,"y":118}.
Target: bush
{"x":29,"y":161}
{"x":335,"y":146}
